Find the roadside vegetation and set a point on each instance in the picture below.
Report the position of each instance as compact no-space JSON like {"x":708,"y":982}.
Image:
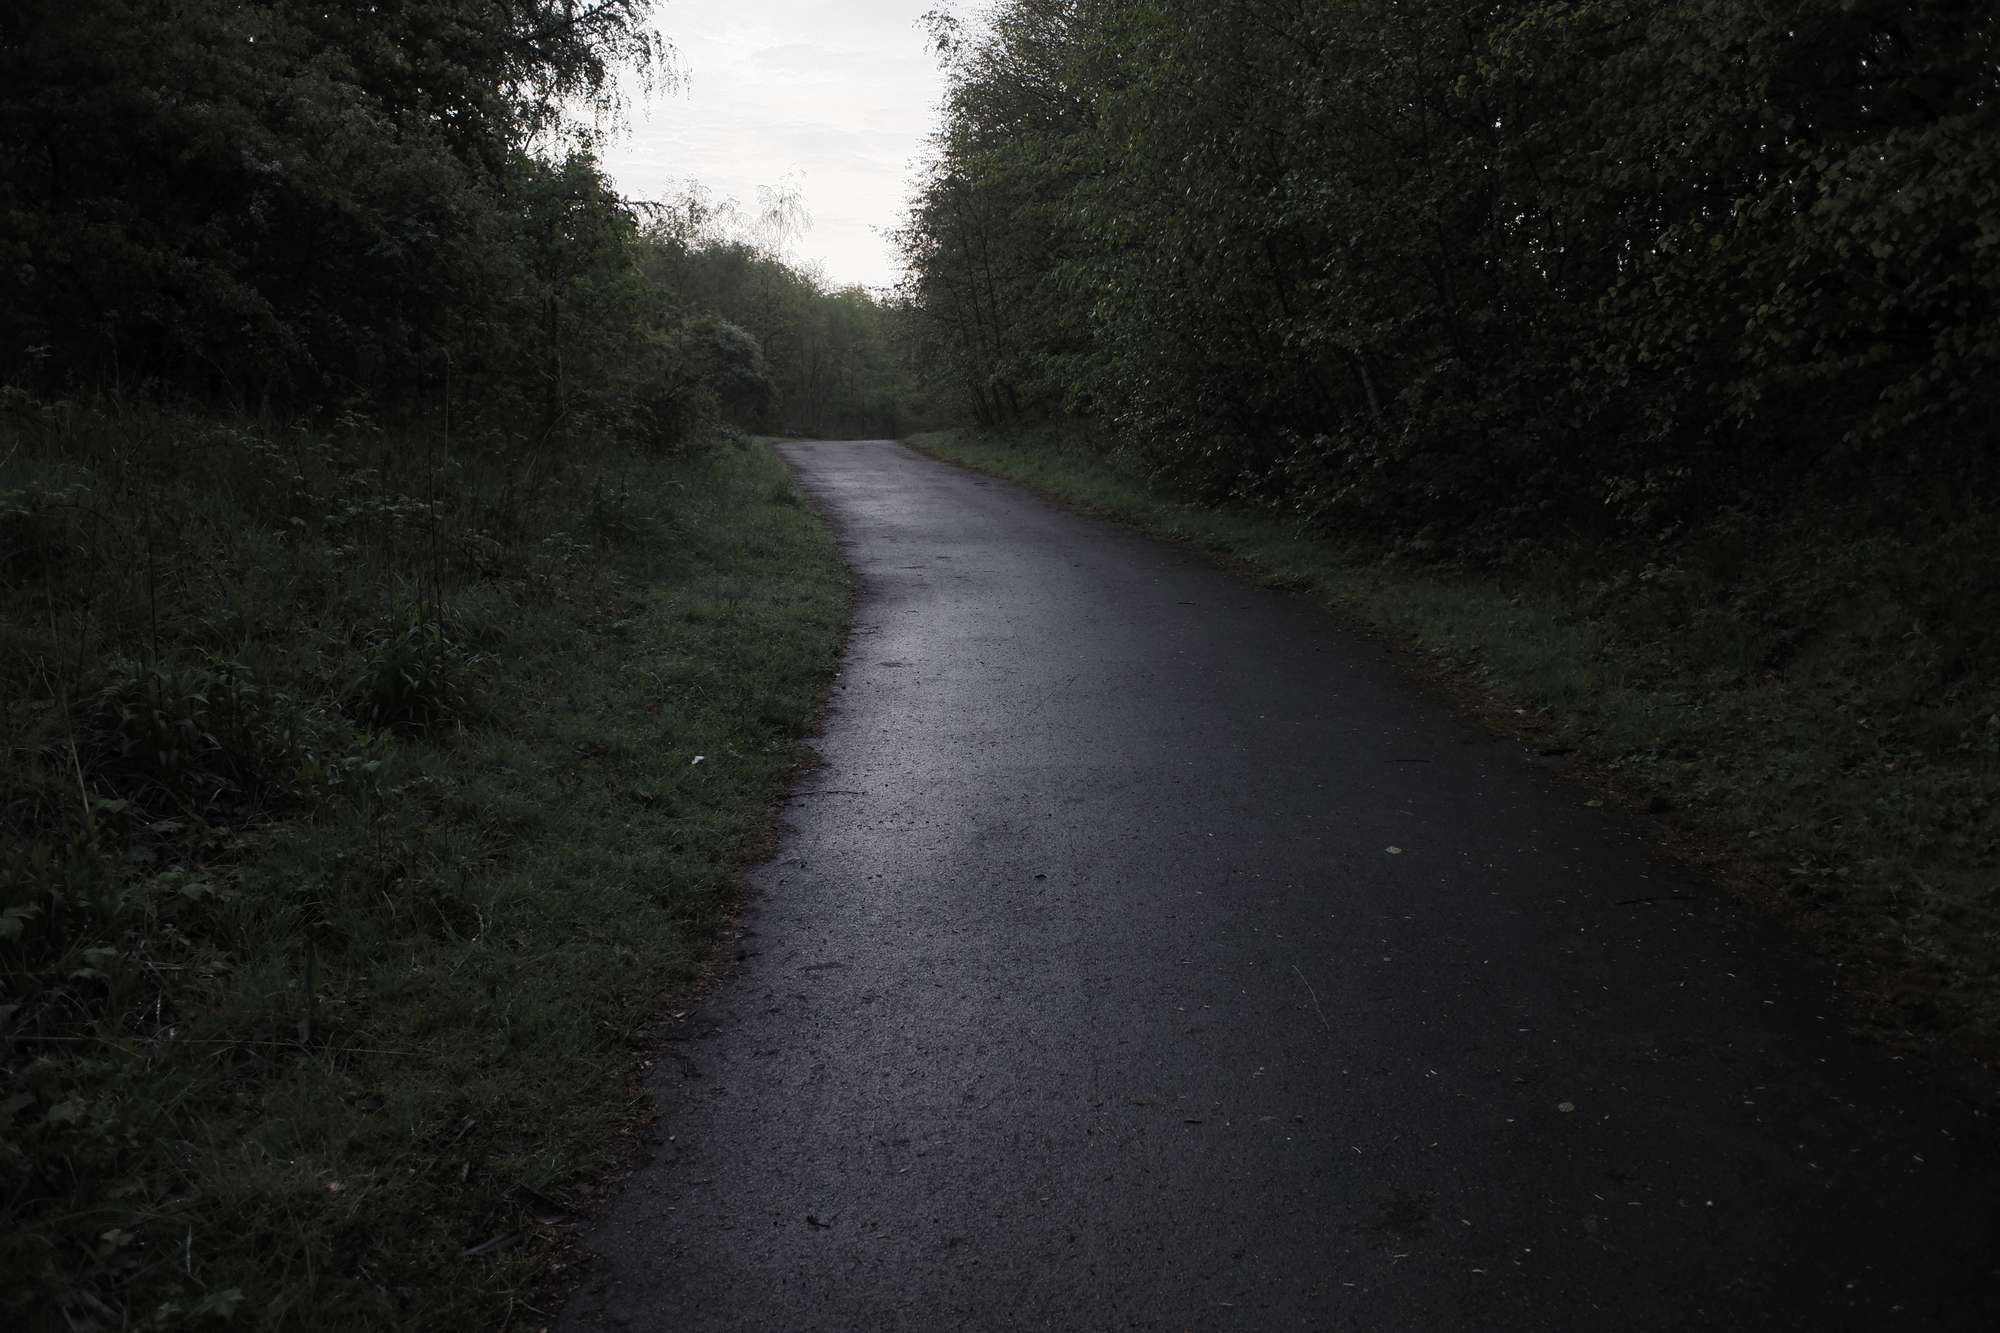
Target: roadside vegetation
{"x":401,"y":641}
{"x":1638,"y":358}
{"x":364,"y":803}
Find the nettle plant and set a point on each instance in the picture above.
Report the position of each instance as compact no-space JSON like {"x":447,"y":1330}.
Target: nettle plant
{"x":417,"y":677}
{"x":181,"y":738}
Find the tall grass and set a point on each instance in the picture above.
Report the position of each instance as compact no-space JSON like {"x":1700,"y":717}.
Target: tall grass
{"x":349,"y":834}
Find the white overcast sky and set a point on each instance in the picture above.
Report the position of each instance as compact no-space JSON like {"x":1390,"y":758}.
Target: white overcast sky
{"x":838,"y":93}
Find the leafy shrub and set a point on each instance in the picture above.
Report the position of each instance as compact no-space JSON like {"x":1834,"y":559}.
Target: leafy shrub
{"x":673,"y":400}
{"x":731,"y":361}
{"x":418,"y":677}
{"x":32,"y":536}
{"x":614,"y":518}
{"x":181,"y":737}
{"x":52,"y":893}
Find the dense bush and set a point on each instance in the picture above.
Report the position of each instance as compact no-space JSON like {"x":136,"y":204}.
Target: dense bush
{"x":285,"y":203}
{"x":1455,"y":275}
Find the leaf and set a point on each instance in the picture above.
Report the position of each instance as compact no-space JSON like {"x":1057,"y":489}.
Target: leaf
{"x":15,"y":919}
{"x":219,"y":1305}
{"x":68,"y":1111}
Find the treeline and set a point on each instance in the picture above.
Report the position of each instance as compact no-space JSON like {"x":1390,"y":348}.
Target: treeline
{"x":827,"y":360}
{"x":289,"y":208}
{"x":1454,"y":274}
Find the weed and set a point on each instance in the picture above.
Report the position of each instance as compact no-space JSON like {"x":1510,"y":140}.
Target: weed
{"x":417,"y":676}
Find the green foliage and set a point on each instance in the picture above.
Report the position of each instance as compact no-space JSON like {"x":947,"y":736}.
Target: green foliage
{"x":31,"y":534}
{"x":297,"y":210}
{"x":53,"y":891}
{"x":994,"y":243}
{"x":416,"y":677}
{"x":348,"y":830}
{"x":828,"y":354}
{"x":285,"y":203}
{"x":183,"y":738}
{"x":732,"y":361}
{"x":1474,"y":280}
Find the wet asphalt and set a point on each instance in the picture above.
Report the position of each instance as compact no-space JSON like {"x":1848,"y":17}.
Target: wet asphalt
{"x":1149,"y":953}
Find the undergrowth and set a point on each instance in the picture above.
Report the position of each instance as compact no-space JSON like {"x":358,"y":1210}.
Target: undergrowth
{"x":1817,"y":698}
{"x":362,"y":793}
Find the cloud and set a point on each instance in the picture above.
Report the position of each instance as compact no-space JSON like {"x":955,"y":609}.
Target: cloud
{"x":803,"y":58}
{"x":842,"y":91}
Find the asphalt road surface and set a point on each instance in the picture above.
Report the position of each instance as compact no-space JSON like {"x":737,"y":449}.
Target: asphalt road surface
{"x":1149,"y":954}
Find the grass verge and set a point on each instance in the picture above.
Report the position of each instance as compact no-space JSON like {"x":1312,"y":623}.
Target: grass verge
{"x":1804,"y":707}
{"x":363,"y":798}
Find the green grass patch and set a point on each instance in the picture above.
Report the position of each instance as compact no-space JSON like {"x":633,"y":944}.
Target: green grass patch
{"x":1813,"y":705}
{"x":364,"y":796}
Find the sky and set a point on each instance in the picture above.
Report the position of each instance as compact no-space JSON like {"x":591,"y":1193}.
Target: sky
{"x":837,"y":94}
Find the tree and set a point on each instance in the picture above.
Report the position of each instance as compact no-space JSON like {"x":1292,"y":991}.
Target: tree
{"x":1461,"y":274}
{"x":273,"y":203}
